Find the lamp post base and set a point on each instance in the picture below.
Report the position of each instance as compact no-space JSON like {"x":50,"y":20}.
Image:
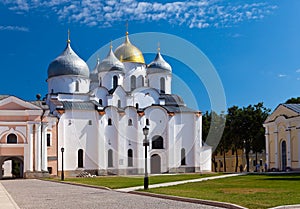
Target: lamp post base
{"x":146,"y":182}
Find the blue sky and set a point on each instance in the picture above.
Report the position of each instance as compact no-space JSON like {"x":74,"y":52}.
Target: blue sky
{"x":254,"y":45}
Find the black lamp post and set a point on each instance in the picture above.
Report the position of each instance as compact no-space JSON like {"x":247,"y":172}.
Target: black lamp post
{"x":62,"y":164}
{"x":146,"y":143}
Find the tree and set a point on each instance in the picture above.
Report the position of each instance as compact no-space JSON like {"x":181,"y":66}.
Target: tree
{"x":293,"y":100}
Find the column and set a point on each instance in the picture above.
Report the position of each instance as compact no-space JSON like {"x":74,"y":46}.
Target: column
{"x":298,"y":132}
{"x":38,"y":147}
{"x":289,"y":157}
{"x":276,"y":148}
{"x":44,"y":147}
{"x":28,"y":152}
{"x":267,"y":149}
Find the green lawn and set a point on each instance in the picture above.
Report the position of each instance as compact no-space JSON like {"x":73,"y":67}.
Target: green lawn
{"x":115,"y":182}
{"x":251,"y":191}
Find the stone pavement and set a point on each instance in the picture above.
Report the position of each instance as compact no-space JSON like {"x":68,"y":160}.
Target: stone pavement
{"x":6,"y":201}
{"x":36,"y":194}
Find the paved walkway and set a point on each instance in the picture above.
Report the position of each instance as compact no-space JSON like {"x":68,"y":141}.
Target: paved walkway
{"x":36,"y":194}
{"x":6,"y":201}
{"x":130,"y":189}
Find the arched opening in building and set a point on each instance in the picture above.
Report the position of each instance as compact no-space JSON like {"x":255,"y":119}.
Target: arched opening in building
{"x":11,"y":167}
{"x":162,"y":85}
{"x":110,"y":158}
{"x":115,"y":82}
{"x":130,"y":157}
{"x":133,"y":82}
{"x":283,"y":155}
{"x":157,"y":142}
{"x":12,"y":139}
{"x":77,"y":86}
{"x":100,"y":102}
{"x":183,"y":162}
{"x":155,"y":162}
{"x":80,"y":158}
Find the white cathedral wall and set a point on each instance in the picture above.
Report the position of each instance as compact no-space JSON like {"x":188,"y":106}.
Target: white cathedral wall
{"x":106,"y":79}
{"x":154,"y":81}
{"x":134,"y":69}
{"x":185,"y":138}
{"x":145,"y":97}
{"x":101,"y":93}
{"x":75,"y":132}
{"x":67,"y":84}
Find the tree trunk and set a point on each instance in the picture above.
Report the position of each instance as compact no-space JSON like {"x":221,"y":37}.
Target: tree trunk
{"x":247,"y":160}
{"x":224,"y":165}
{"x":236,"y":160}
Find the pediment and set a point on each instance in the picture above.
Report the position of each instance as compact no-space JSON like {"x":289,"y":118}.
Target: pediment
{"x":14,"y":103}
{"x":281,"y":111}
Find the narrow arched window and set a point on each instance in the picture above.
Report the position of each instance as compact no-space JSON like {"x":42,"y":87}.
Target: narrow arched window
{"x":110,"y":158}
{"x":143,"y":81}
{"x":183,"y":157}
{"x":162,"y":85}
{"x":109,"y":122}
{"x":130,"y":122}
{"x":100,"y":81}
{"x":133,"y":82}
{"x":119,"y":103}
{"x":157,"y":142}
{"x":130,"y":157}
{"x":115,"y":82}
{"x":80,"y":158}
{"x":147,"y":122}
{"x":77,"y":86}
{"x":100,"y":101}
{"x":12,"y":139}
{"x":137,"y":105}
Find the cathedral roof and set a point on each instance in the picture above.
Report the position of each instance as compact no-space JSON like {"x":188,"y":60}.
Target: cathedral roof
{"x":159,"y":65}
{"x":111,"y":63}
{"x":294,"y":107}
{"x":127,"y":52}
{"x":68,"y":63}
{"x":94,"y":73}
{"x":172,"y":99}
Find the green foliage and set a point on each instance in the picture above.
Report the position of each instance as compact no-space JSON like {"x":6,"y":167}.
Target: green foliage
{"x":251,"y":191}
{"x":293,"y":100}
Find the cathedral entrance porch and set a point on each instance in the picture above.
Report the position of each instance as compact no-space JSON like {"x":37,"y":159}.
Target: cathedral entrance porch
{"x":11,"y":167}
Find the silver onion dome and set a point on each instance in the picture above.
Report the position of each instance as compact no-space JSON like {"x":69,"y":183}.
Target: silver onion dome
{"x":94,"y":73}
{"x":111,"y":63}
{"x":159,"y":65}
{"x":68,"y":63}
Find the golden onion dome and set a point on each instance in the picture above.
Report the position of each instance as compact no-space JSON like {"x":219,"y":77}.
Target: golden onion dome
{"x":127,"y":52}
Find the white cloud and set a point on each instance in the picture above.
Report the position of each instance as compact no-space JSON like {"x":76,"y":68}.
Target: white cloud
{"x":298,"y":71}
{"x":282,"y":75}
{"x":13,"y":28}
{"x":192,"y":13}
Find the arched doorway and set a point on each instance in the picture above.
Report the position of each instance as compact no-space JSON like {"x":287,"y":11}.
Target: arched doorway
{"x":11,"y":167}
{"x":283,"y":155}
{"x":155,"y":164}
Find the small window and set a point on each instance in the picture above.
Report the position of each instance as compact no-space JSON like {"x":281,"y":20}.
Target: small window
{"x":49,"y":170}
{"x":133,"y":82}
{"x":137,"y":105}
{"x":130,"y":122}
{"x":110,"y":158}
{"x":119,"y":103}
{"x":130,"y":157}
{"x":80,"y":158}
{"x":90,"y":122}
{"x":147,"y":122}
{"x":115,"y":82}
{"x":48,"y":140}
{"x":12,"y":139}
{"x":162,"y":85}
{"x":100,"y":101}
{"x":109,"y":122}
{"x":77,"y":86}
{"x":157,"y":142}
{"x":183,"y":157}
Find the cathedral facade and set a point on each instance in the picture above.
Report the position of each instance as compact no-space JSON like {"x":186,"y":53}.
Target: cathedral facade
{"x":98,"y":117}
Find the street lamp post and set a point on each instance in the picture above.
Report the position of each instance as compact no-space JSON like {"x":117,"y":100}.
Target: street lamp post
{"x":146,"y":143}
{"x":62,"y":164}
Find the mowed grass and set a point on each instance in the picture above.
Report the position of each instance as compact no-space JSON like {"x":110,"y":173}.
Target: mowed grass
{"x":251,"y":191}
{"x":116,"y":182}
